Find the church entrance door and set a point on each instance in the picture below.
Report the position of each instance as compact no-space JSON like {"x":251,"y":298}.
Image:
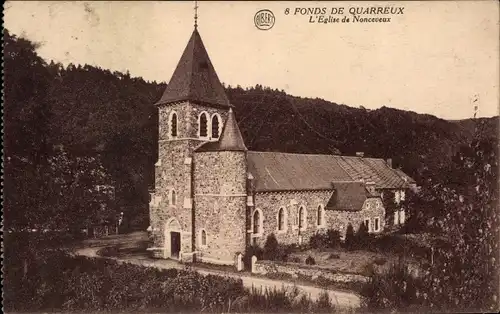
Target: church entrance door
{"x":175,"y":244}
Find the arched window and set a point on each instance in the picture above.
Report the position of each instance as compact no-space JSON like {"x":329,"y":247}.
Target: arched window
{"x":281,"y":219}
{"x":302,"y":219}
{"x":173,"y":198}
{"x":203,"y":125}
{"x":257,"y":222}
{"x":320,"y":215}
{"x":203,"y":238}
{"x":216,"y":126}
{"x":173,"y":125}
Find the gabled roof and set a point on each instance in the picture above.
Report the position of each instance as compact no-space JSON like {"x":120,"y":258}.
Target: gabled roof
{"x":373,"y":169}
{"x":348,"y":196}
{"x":194,"y":78}
{"x":287,"y":172}
{"x":230,"y":139}
{"x":405,"y":177}
{"x":294,"y":172}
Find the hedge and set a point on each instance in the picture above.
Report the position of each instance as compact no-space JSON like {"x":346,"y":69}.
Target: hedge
{"x":56,"y":281}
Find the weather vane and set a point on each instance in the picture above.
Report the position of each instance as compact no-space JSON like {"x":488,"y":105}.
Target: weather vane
{"x":195,"y":14}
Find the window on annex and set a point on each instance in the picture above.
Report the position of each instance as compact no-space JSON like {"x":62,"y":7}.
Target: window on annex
{"x":281,"y":219}
{"x":320,"y":215}
{"x":257,"y":222}
{"x":302,"y":217}
{"x":367,"y":224}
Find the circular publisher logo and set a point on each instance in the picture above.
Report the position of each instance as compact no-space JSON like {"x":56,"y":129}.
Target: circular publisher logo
{"x":264,"y":19}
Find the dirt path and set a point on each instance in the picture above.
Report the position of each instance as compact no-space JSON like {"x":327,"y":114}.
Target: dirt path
{"x":341,"y":298}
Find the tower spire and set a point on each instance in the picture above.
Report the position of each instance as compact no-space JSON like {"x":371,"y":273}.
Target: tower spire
{"x":196,"y":14}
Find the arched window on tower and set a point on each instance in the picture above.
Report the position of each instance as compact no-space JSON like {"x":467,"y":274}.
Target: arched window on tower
{"x":173,"y":198}
{"x":216,"y":126}
{"x":173,"y":125}
{"x":203,"y":125}
{"x":203,"y":238}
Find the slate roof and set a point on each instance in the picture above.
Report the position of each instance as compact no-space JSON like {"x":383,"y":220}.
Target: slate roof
{"x":404,"y":176}
{"x":348,"y":196}
{"x":288,"y":172}
{"x":372,"y":169}
{"x":230,"y":139}
{"x":194,"y":78}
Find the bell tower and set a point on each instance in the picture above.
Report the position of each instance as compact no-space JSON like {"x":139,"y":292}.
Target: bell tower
{"x":191,"y":112}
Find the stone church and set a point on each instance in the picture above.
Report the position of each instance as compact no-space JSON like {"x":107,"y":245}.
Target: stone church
{"x":213,"y":197}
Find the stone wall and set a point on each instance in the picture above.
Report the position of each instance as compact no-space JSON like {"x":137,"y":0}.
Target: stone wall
{"x":173,"y":172}
{"x":372,"y":208}
{"x":269,"y":203}
{"x":311,"y":271}
{"x":220,"y":205}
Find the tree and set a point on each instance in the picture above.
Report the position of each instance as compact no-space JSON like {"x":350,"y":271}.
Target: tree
{"x":349,"y":237}
{"x":361,"y":239}
{"x":464,"y":274}
{"x":271,"y":248}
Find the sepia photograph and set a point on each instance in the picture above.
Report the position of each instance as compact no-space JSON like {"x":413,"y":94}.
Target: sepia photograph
{"x":250,"y":157}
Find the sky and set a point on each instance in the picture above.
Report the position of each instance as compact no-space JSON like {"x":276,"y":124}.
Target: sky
{"x":436,"y":57}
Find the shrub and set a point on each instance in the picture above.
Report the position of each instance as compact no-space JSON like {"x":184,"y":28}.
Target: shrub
{"x":333,"y":237}
{"x":274,"y":251}
{"x":380,"y":261}
{"x":295,"y":259}
{"x":395,"y":289}
{"x":349,"y":238}
{"x":323,"y":303}
{"x":63,"y":283}
{"x":271,"y":248}
{"x":333,"y":256}
{"x":249,"y":252}
{"x":361,"y":239}
{"x":310,"y":260}
{"x":330,"y":239}
{"x":108,"y":251}
{"x":318,"y":241}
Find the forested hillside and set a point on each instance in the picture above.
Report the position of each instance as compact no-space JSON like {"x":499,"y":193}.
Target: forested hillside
{"x":92,"y":111}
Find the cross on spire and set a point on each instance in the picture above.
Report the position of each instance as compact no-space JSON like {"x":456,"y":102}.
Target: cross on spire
{"x":195,"y":14}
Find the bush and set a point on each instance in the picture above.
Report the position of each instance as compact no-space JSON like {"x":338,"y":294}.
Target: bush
{"x":349,"y":238}
{"x":333,"y":237}
{"x":274,"y":251}
{"x":310,"y":260}
{"x":318,"y":241}
{"x":330,"y":239}
{"x":395,"y":289}
{"x":361,"y":239}
{"x":109,"y":251}
{"x":271,"y":248}
{"x":249,"y":252}
{"x":333,"y":256}
{"x":380,"y":261}
{"x":295,"y":259}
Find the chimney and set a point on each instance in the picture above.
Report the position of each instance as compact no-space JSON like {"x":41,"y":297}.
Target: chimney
{"x":389,"y":162}
{"x":360,"y":154}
